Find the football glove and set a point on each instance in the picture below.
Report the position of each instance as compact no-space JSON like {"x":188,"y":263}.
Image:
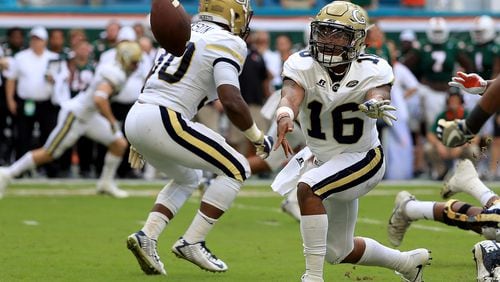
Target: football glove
{"x":378,"y":109}
{"x":263,"y":146}
{"x":471,"y":83}
{"x":453,"y":133}
{"x":135,"y":159}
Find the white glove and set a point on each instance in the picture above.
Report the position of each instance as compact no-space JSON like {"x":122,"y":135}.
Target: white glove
{"x":378,"y":109}
{"x":453,"y":133}
{"x":135,"y":159}
{"x":471,"y":83}
{"x":263,"y":146}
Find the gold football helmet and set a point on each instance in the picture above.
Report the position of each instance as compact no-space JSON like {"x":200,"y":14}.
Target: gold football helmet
{"x":338,"y":33}
{"x":235,"y":14}
{"x":128,"y":54}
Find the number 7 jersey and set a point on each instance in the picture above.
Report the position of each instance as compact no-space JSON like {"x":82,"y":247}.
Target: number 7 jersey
{"x":184,"y":84}
{"x":329,"y":114}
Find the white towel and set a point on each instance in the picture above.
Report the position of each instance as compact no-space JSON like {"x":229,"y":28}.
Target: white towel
{"x":288,"y":177}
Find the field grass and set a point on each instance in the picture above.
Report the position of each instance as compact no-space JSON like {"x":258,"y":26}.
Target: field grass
{"x":68,"y":237}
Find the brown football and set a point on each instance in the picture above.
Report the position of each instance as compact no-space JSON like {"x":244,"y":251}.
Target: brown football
{"x":171,"y":25}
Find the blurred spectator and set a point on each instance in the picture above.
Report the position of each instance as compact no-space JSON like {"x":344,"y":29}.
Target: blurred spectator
{"x":108,"y":40}
{"x":284,"y":46}
{"x":397,"y":140}
{"x":14,"y":43}
{"x":262,"y":44}
{"x":436,"y":60}
{"x":33,"y":103}
{"x":377,"y":43}
{"x":82,"y":68}
{"x":76,"y":36}
{"x":140,"y":29}
{"x":408,"y":47}
{"x":147,"y":47}
{"x":57,"y":43}
{"x":254,"y":86}
{"x":440,"y":157}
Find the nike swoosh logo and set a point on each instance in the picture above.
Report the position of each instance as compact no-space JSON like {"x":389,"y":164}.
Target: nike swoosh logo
{"x":419,"y":267}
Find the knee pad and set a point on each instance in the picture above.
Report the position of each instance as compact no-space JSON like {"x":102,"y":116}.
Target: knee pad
{"x":173,"y":196}
{"x":222,"y":192}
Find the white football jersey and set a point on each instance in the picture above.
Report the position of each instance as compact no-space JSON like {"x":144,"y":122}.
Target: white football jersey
{"x":329,"y":115}
{"x":82,"y":105}
{"x":184,"y":84}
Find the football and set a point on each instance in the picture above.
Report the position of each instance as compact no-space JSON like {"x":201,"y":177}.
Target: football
{"x":171,"y":25}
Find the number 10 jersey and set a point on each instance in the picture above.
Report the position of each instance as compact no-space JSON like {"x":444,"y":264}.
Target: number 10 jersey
{"x":184,"y":84}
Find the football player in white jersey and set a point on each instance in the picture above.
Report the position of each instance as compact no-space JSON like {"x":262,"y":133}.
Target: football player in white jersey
{"x":160,"y":128}
{"x":88,"y":114}
{"x":337,"y":93}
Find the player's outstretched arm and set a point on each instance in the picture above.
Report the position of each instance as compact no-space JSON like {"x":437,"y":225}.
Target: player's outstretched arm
{"x":238,"y":113}
{"x":292,"y":95}
{"x":377,"y":104}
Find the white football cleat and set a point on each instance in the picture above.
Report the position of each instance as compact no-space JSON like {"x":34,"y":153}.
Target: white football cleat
{"x":109,"y":188}
{"x":487,"y":257}
{"x":399,"y":221}
{"x":310,"y":278}
{"x":458,"y":182}
{"x":414,"y":268}
{"x":4,"y":181}
{"x":144,"y":250}
{"x":291,"y":208}
{"x":198,"y":254}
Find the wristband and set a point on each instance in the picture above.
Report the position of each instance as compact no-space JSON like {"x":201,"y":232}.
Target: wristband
{"x":253,"y":133}
{"x":284,"y":110}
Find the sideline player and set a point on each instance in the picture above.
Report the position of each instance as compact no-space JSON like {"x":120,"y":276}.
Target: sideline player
{"x":159,"y":126}
{"x":453,"y":212}
{"x":460,"y":131}
{"x":80,"y":117}
{"x":339,"y":93}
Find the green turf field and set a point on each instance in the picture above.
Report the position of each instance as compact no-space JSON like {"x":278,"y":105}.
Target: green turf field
{"x":61,"y":232}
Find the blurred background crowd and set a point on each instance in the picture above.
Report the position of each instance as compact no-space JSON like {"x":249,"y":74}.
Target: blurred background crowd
{"x":42,"y":67}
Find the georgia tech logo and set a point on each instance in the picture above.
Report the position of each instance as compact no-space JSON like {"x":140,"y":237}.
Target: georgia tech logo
{"x":358,"y":17}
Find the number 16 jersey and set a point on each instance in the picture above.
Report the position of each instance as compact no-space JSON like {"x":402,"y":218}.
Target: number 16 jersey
{"x":329,"y":114}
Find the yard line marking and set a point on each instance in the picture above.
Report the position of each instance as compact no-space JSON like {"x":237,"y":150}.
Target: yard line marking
{"x":31,"y":222}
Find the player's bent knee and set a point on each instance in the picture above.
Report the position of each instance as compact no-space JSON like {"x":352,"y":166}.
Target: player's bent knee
{"x":118,"y":147}
{"x":173,"y":196}
{"x":222,"y":192}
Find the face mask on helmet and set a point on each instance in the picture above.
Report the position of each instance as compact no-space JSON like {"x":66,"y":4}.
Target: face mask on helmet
{"x":235,"y":14}
{"x":338,"y":34}
{"x":483,"y":30}
{"x":438,"y":32}
{"x":128,"y":54}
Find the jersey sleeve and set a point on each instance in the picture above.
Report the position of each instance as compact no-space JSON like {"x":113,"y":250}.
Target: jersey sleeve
{"x":295,"y":69}
{"x":383,"y":73}
{"x":227,"y":50}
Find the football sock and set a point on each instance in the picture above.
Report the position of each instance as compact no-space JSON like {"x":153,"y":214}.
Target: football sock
{"x":377,"y":254}
{"x":155,"y":224}
{"x":111,"y":163}
{"x":314,"y":229}
{"x":199,"y":228}
{"x":25,"y":163}
{"x":420,"y":210}
{"x":476,"y":188}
